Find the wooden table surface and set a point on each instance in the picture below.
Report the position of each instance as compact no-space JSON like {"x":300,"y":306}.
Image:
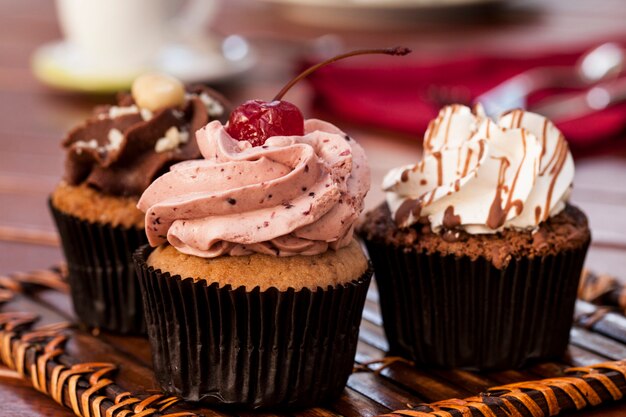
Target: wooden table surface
{"x":34,"y":118}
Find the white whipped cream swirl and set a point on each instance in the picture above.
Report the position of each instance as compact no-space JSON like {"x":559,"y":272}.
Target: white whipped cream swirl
{"x":481,"y":176}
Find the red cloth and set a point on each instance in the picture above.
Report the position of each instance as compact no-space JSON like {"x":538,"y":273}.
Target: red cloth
{"x":396,"y":93}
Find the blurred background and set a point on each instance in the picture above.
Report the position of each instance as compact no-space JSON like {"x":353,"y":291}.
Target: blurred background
{"x":563,"y":58}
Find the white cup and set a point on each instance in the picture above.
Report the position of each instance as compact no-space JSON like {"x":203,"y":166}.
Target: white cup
{"x":122,"y":36}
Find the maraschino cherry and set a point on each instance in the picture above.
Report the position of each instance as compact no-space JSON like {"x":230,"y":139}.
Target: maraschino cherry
{"x":257,"y":120}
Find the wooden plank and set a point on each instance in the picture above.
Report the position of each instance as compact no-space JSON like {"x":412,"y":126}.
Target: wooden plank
{"x":19,"y":399}
{"x":598,"y":344}
{"x":582,"y":357}
{"x":427,"y":387}
{"x":16,"y":256}
{"x":382,"y":391}
{"x":352,"y":404}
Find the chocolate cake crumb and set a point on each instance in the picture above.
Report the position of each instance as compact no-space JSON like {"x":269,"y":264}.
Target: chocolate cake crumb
{"x":567,"y":230}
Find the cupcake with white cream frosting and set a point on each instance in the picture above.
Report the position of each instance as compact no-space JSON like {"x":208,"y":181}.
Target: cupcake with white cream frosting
{"x":481,"y":236}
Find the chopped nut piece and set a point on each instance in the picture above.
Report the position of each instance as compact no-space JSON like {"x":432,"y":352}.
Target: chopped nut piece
{"x":172,"y":139}
{"x":157,"y":91}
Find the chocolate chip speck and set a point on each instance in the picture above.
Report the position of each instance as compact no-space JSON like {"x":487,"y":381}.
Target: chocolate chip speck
{"x":304,"y":188}
{"x":288,"y":205}
{"x":231,"y":201}
{"x":306,"y":168}
{"x":311,"y":194}
{"x":346,"y":137}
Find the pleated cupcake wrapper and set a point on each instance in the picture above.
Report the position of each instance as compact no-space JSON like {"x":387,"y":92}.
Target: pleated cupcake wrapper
{"x":250,"y":349}
{"x":452,"y":312}
{"x":104,"y":286}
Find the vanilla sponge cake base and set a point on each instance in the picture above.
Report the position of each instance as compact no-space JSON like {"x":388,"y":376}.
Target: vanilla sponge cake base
{"x":94,"y":206}
{"x":330,"y":268}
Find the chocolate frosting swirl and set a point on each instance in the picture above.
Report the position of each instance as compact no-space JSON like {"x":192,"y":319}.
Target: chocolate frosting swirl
{"x":121,"y":149}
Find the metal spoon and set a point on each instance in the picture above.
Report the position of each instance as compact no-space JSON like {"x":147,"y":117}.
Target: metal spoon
{"x":600,"y":63}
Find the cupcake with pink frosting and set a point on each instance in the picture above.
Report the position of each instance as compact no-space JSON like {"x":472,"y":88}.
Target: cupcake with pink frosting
{"x":253,"y":283}
{"x":477,"y":250}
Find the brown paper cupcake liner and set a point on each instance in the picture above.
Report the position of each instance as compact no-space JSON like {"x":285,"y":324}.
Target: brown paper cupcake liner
{"x":101,"y":274}
{"x":452,"y":312}
{"x":250,"y":348}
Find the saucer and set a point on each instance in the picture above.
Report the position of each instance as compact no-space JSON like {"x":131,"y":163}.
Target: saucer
{"x":59,"y":65}
{"x":375,"y":14}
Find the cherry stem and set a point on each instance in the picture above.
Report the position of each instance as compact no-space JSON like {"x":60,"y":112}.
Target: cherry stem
{"x":397,"y":51}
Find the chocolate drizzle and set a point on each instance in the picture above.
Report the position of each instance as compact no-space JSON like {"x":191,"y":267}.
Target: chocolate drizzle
{"x":114,"y":150}
{"x":544,"y":138}
{"x":468,"y":157}
{"x":407,"y":208}
{"x":498,"y":214}
{"x":451,"y":220}
{"x":537,"y":214}
{"x":437,"y":156}
{"x":560,"y":153}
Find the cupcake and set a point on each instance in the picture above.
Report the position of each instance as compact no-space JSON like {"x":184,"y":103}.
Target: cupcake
{"x":111,"y":159}
{"x":477,"y":251}
{"x":255,"y":291}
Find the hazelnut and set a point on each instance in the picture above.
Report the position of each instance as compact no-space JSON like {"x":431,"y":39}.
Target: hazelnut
{"x":156,"y":91}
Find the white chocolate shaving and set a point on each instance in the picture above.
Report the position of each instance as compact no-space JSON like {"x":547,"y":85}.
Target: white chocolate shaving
{"x":172,"y":139}
{"x":115,"y":139}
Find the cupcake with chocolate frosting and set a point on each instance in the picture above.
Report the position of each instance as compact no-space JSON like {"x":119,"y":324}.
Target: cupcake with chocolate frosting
{"x":111,"y":159}
{"x":477,"y":251}
{"x":254,"y":293}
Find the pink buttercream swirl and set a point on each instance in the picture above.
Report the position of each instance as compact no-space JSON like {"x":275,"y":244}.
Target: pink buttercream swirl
{"x":293,"y":195}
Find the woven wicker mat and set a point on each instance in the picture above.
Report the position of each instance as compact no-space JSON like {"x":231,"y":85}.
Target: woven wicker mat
{"x":100,"y":374}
